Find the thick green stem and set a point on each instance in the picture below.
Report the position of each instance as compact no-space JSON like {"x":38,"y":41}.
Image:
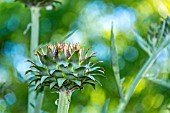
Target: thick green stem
{"x":34,"y":102}
{"x":64,"y":101}
{"x":34,"y":29}
{"x":137,"y":79}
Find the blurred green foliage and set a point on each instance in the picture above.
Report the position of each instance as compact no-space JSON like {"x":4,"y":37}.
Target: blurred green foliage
{"x":92,"y":19}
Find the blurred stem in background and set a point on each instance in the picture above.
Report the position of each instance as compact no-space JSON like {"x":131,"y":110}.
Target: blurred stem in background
{"x":145,"y":68}
{"x":34,"y":99}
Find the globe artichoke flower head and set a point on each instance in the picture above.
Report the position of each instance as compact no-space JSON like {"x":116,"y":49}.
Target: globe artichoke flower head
{"x":64,"y":67}
{"x":40,"y":3}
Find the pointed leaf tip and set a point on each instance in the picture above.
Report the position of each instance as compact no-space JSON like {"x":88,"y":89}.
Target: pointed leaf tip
{"x":60,"y":81}
{"x":44,"y":78}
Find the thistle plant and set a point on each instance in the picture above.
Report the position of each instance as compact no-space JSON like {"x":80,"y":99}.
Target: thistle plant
{"x":35,"y":99}
{"x":40,"y":3}
{"x":158,"y":38}
{"x":64,"y":68}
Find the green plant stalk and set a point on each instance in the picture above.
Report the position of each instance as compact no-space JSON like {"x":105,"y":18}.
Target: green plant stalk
{"x":115,"y":64}
{"x":64,"y":101}
{"x":160,"y":82}
{"x":137,"y":79}
{"x":34,"y":102}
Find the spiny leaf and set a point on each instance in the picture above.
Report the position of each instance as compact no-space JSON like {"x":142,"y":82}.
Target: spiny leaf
{"x":44,"y":78}
{"x":57,"y":73}
{"x":80,"y":71}
{"x":40,"y":57}
{"x":53,"y":84}
{"x":60,"y":81}
{"x":29,"y":71}
{"x":96,"y":68}
{"x":37,"y":85}
{"x":32,"y":79}
{"x":95,"y":72}
{"x":99,"y":83}
{"x":97,"y":75}
{"x":86,"y":61}
{"x":91,"y":77}
{"x":70,"y":76}
{"x":89,"y":83}
{"x":74,"y":57}
{"x":65,"y":70}
{"x":61,"y":55}
{"x":31,"y":62}
{"x":50,"y":53}
{"x":38,"y":68}
{"x":48,"y":61}
{"x":96,"y":63}
{"x":77,"y":82}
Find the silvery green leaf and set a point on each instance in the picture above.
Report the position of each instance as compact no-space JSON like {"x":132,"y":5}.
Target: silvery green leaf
{"x":32,"y":79}
{"x":60,"y":81}
{"x":74,"y":58}
{"x":70,"y":76}
{"x":96,"y":63}
{"x":89,"y":83}
{"x":91,"y":77}
{"x":44,"y":78}
{"x":57,"y":73}
{"x":77,"y":82}
{"x":95,"y":72}
{"x":53,"y":84}
{"x":65,"y":69}
{"x":37,"y":85}
{"x":97,"y":75}
{"x":99,"y":83}
{"x":80,"y":71}
{"x":86,"y":61}
{"x":31,"y":71}
{"x":142,"y":43}
{"x":96,"y":68}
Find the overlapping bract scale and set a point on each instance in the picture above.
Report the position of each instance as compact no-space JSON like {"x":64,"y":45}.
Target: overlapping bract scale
{"x":40,"y":3}
{"x":64,"y":66}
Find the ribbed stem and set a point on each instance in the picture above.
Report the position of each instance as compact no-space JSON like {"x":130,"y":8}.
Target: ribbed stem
{"x":34,"y":100}
{"x":64,"y":101}
{"x":34,"y":29}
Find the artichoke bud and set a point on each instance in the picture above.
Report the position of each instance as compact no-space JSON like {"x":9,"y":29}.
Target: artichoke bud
{"x":40,"y":3}
{"x":64,"y":67}
{"x":157,"y":33}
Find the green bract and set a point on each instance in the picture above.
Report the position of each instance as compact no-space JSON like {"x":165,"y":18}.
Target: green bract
{"x":155,"y":36}
{"x":64,"y":67}
{"x":39,"y":3}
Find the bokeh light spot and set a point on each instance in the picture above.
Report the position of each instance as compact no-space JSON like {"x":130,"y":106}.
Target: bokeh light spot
{"x":10,"y":98}
{"x":131,"y":54}
{"x":13,"y":23}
